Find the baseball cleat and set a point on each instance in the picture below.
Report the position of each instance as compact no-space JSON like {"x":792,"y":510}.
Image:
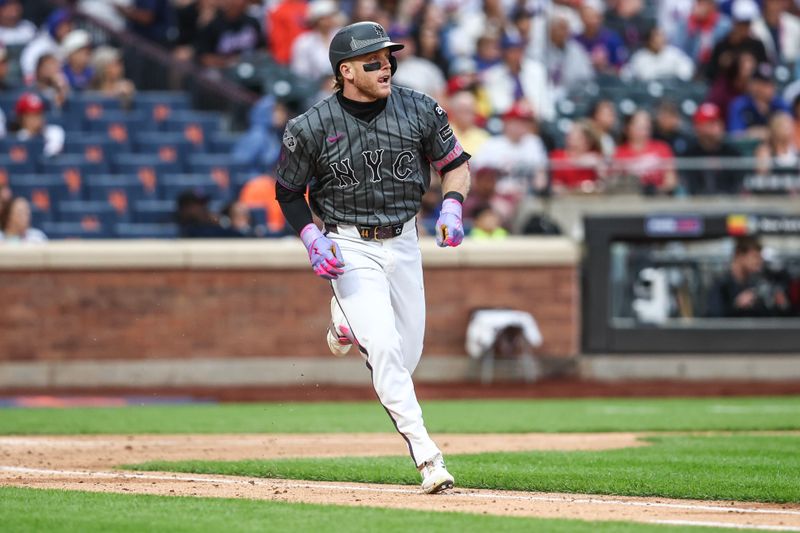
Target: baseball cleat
{"x":435,"y":477}
{"x":339,"y":337}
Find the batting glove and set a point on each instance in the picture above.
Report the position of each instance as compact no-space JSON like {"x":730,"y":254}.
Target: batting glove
{"x":324,"y":254}
{"x":449,"y":228}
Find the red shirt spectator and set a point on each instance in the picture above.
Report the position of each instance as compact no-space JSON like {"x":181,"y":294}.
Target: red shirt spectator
{"x":576,"y":166}
{"x":285,"y":23}
{"x":650,"y":161}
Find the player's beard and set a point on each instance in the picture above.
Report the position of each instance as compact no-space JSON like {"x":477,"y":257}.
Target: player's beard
{"x":369,"y":87}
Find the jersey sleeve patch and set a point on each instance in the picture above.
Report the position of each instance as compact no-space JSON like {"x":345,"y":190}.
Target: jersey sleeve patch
{"x":445,"y":133}
{"x":289,"y":140}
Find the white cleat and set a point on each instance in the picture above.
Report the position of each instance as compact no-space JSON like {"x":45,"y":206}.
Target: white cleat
{"x":435,"y":477}
{"x":339,"y":337}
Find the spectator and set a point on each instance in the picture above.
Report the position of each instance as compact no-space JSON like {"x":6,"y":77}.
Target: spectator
{"x":780,"y":153}
{"x":15,"y":223}
{"x":519,"y":78}
{"x":627,"y":19}
{"x":658,"y":60}
{"x":580,"y":163}
{"x":605,"y":47}
{"x":109,"y":75}
{"x":487,"y":225}
{"x":464,"y":77}
{"x":47,"y":41}
{"x":709,"y":160}
{"x":77,"y":52}
{"x":733,"y":82}
{"x":103,"y":10}
{"x":191,"y":16}
{"x":3,"y":129}
{"x":779,"y":30}
{"x":415,"y":72}
{"x":310,"y":50}
{"x":602,"y":120}
{"x":669,"y":127}
{"x":705,"y":27}
{"x":488,"y":51}
{"x":748,"y":114}
{"x":196,"y":221}
{"x":50,"y":82}
{"x":739,"y":40}
{"x":673,"y":17}
{"x":429,"y":46}
{"x":5,"y":85}
{"x":257,"y":150}
{"x":642,"y":157}
{"x":14,"y":30}
{"x":482,"y":191}
{"x":519,"y":153}
{"x":233,"y":32}
{"x":286,"y":21}
{"x":32,"y":124}
{"x":259,"y":193}
{"x":461,"y":109}
{"x":567,"y":62}
{"x":236,"y":216}
{"x":151,"y":19}
{"x":744,"y":290}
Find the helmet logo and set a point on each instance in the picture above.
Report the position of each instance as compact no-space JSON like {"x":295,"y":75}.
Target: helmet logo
{"x":379,"y":31}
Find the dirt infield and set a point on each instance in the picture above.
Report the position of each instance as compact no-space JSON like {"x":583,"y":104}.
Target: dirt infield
{"x":86,"y":462}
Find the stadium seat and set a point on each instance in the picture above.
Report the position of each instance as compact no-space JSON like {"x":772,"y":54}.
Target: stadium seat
{"x":174,"y":184}
{"x":88,"y":229}
{"x":218,"y":167}
{"x":44,"y":190}
{"x":90,"y":106}
{"x":159,"y":106}
{"x":154,"y":211}
{"x":147,"y":167}
{"x":128,"y":230}
{"x":170,"y":147}
{"x":20,"y":156}
{"x":91,"y":214}
{"x":74,"y":169}
{"x":195,"y":126}
{"x":98,"y":186}
{"x":222,"y":142}
{"x":8,"y":99}
{"x":120,"y":126}
{"x":95,"y":148}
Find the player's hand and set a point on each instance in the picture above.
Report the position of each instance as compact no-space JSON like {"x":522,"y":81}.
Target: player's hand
{"x":449,"y":228}
{"x":324,"y":254}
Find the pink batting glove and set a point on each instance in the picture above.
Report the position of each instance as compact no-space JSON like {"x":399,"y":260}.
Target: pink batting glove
{"x":324,"y":254}
{"x":449,"y":228}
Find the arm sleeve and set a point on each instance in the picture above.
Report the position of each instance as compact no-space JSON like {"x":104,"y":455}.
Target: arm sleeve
{"x":439,"y":142}
{"x":296,"y":160}
{"x":294,"y":206}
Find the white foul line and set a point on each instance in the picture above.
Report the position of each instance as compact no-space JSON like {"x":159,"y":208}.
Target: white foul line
{"x":723,"y":524}
{"x":386,"y":490}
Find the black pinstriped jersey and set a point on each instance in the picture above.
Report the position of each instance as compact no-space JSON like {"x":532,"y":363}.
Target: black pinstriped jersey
{"x":367,"y":173}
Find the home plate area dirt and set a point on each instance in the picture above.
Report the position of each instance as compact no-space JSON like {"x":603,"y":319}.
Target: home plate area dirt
{"x":86,"y":463}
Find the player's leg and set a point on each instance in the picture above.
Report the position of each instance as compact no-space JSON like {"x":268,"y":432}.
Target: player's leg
{"x":364,"y":294}
{"x":408,"y":296}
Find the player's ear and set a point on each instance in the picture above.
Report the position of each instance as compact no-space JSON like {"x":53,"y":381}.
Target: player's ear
{"x":346,"y":70}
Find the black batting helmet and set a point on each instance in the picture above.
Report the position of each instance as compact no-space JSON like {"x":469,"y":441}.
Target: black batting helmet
{"x":357,"y":39}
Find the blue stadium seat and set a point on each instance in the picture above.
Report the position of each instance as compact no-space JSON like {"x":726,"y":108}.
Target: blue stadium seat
{"x":128,"y":230}
{"x":74,"y":230}
{"x":8,"y":99}
{"x":219,"y":167}
{"x":159,"y":106}
{"x":91,"y":214}
{"x":174,"y":184}
{"x":120,"y":126}
{"x":43,"y":190}
{"x":89,"y":106}
{"x":98,"y":187}
{"x":147,"y":167}
{"x":169,"y":146}
{"x":154,"y":211}
{"x":20,"y":156}
{"x":196,"y":127}
{"x":95,"y":147}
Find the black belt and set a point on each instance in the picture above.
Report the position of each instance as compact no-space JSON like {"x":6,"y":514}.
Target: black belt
{"x":372,"y":233}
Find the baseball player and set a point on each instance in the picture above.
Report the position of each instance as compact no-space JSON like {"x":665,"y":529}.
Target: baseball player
{"x":364,"y":154}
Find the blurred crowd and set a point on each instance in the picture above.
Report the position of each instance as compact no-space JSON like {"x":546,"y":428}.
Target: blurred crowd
{"x":502,"y":69}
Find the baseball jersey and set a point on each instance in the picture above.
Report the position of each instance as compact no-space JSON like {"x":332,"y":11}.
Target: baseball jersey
{"x":367,"y":173}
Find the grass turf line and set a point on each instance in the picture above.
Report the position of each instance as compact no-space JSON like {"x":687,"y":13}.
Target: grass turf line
{"x":87,"y":512}
{"x":738,"y":467}
{"x":441,"y":416}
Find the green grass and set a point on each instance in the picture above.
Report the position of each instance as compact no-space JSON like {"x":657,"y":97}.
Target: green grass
{"x":465,"y":416}
{"x":23,"y":510}
{"x":740,"y":467}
